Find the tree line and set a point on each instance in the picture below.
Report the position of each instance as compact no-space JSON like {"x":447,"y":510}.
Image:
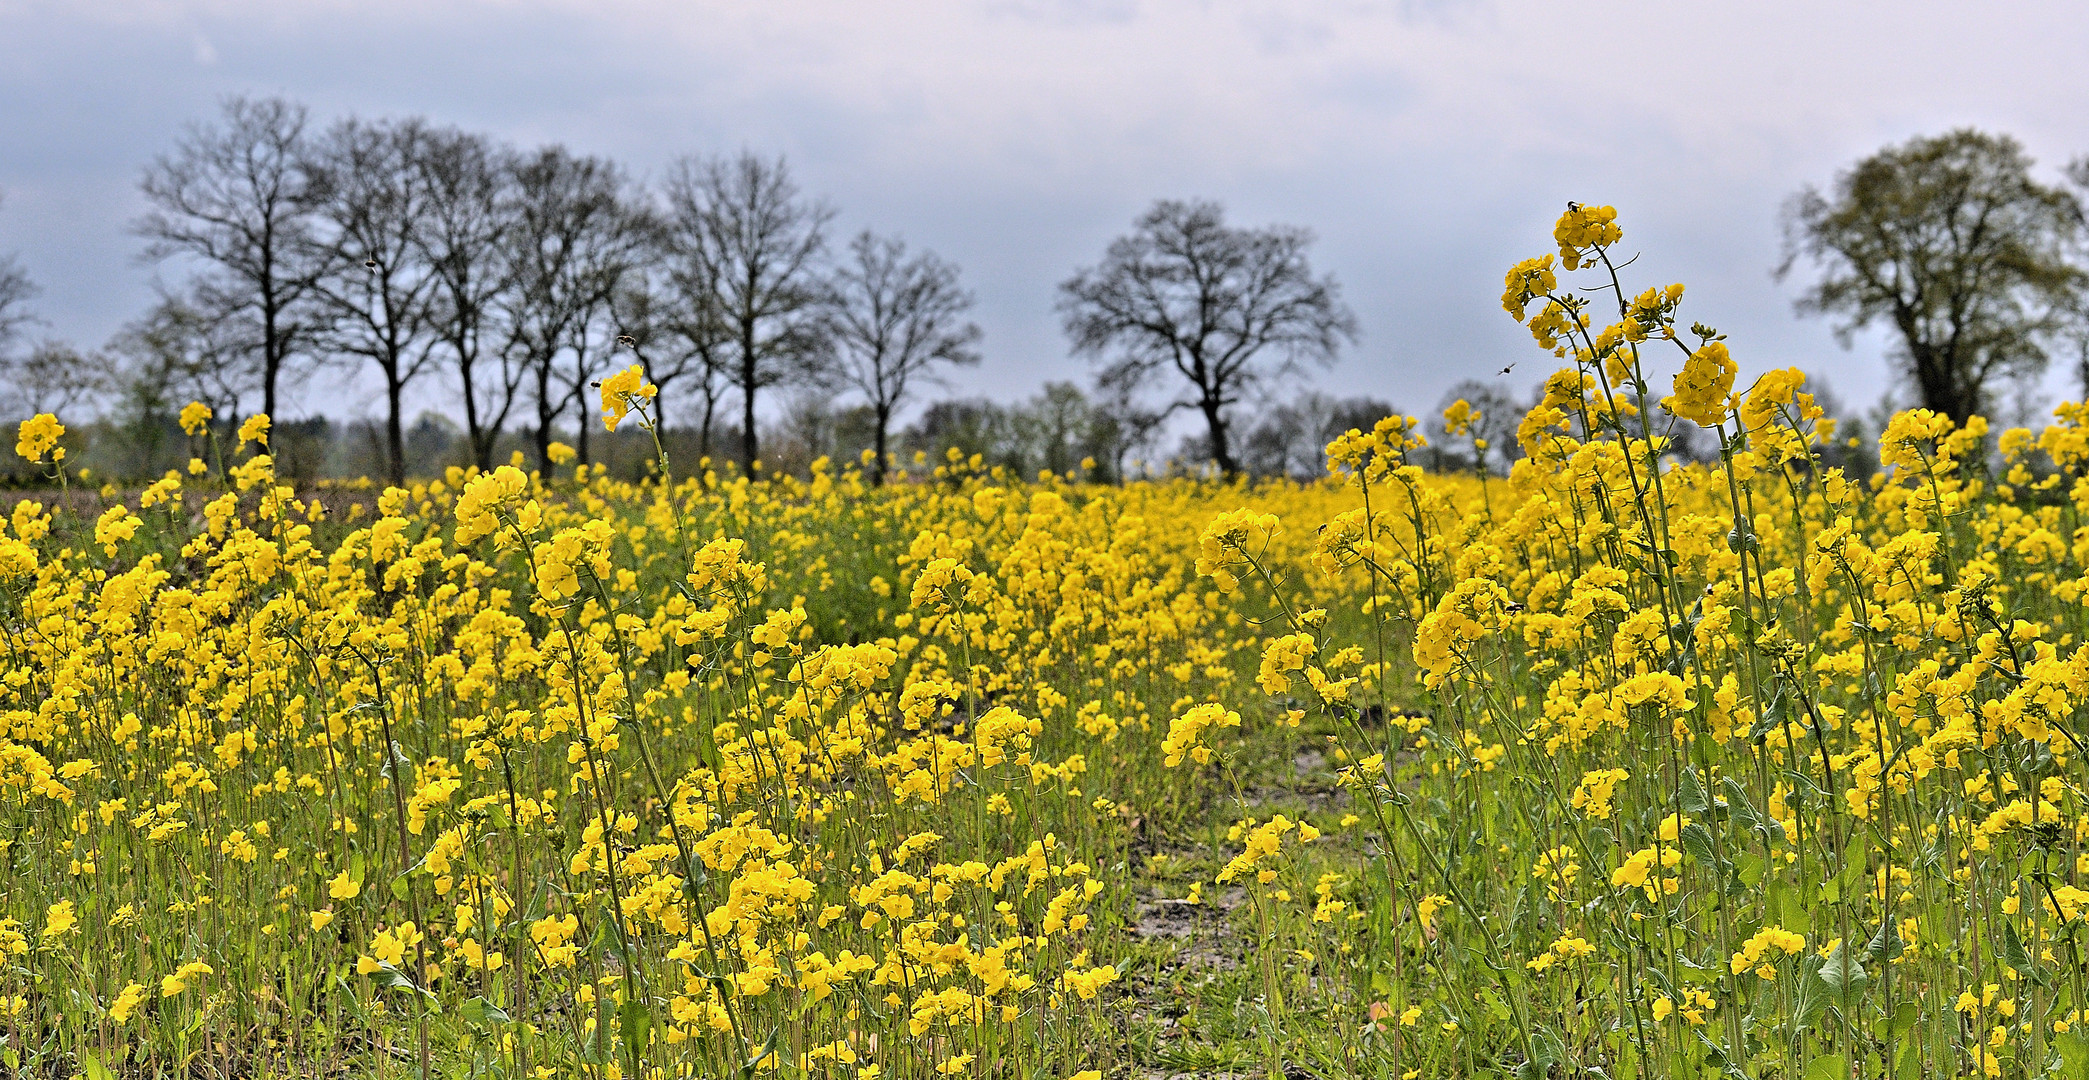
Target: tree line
{"x":447,"y":265}
{"x":515,"y":279}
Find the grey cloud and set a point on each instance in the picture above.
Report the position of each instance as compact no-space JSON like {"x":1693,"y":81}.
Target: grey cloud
{"x":1428,"y":142}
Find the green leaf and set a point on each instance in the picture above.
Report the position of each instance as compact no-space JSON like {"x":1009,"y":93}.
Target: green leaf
{"x":1692,"y":797}
{"x":92,"y":1068}
{"x":398,"y":760}
{"x":1755,"y":820}
{"x":1790,"y":905}
{"x":755,"y":1062}
{"x":401,"y":888}
{"x":1776,"y":713}
{"x":1715,"y":1055}
{"x":1545,"y":1053}
{"x":1843,"y":975}
{"x":1886,"y":944}
{"x":635,"y":1022}
{"x":478,"y":1010}
{"x":2074,"y":1055}
{"x":1697,"y":840}
{"x":391,"y":978}
{"x":1810,"y":997}
{"x":1907,"y":1054}
{"x":1828,"y":1067}
{"x":1845,"y":883}
{"x":2014,"y":954}
{"x":1702,"y":975}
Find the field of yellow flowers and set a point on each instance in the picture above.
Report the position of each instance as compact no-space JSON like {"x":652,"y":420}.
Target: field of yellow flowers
{"x":1613,"y":767}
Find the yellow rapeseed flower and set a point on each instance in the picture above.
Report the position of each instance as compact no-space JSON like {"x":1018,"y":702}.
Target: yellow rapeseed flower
{"x":37,"y":436}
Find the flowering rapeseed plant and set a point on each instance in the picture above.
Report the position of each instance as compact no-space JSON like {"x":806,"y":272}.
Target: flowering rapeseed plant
{"x":1618,"y":764}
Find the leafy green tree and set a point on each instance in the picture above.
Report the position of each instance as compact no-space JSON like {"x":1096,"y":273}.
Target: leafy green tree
{"x":1952,"y":242}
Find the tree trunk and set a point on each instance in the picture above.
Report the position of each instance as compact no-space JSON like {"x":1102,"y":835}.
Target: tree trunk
{"x":703,"y":440}
{"x":481,"y":446}
{"x":877,"y":469}
{"x":394,"y":437}
{"x":544,"y":419}
{"x":585,"y":427}
{"x":270,"y":365}
{"x":750,"y":444}
{"x":1936,"y":377}
{"x":271,"y":343}
{"x":1221,"y":453}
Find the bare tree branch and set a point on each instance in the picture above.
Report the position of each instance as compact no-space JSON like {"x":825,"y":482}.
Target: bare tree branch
{"x":573,"y":243}
{"x":892,"y":322}
{"x":1224,"y":307}
{"x":236,"y":198}
{"x":747,"y":215}
{"x":468,"y":183}
{"x":375,"y":286}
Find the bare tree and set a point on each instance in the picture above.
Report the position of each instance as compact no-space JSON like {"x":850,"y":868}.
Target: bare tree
{"x":1291,"y":437}
{"x":766,"y":240}
{"x":1287,"y":437}
{"x":236,"y":197}
{"x":1059,"y":429}
{"x":1136,"y":425}
{"x":375,"y":288}
{"x":175,"y":354}
{"x":690,"y":304}
{"x":891,"y":322}
{"x":1951,"y":241}
{"x":1187,"y":292}
{"x":468,"y":183}
{"x":572,"y":244}
{"x":675,"y":336}
{"x":16,"y":290}
{"x":52,"y":377}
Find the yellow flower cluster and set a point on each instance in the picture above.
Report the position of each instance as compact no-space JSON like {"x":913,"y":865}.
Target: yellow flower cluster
{"x":1704,"y":384}
{"x":1759,"y":950}
{"x":1583,"y":228}
{"x":195,"y":417}
{"x":624,"y":391}
{"x":37,"y":437}
{"x":1186,"y":733}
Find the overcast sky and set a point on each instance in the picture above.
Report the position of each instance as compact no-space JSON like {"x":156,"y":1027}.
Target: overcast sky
{"x":1429,"y":144}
